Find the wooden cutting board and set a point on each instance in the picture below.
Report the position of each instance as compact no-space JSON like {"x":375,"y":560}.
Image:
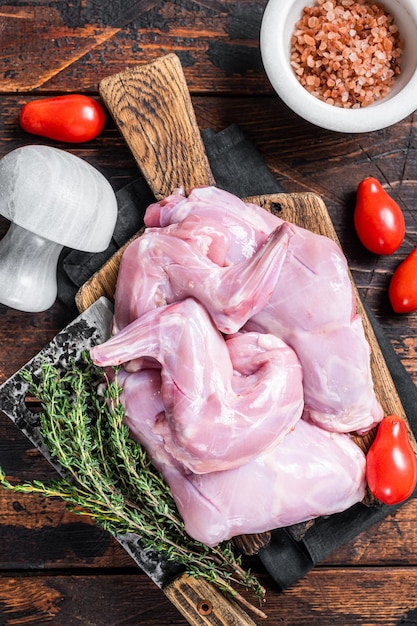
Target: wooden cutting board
{"x":152,"y":108}
{"x":309,"y":211}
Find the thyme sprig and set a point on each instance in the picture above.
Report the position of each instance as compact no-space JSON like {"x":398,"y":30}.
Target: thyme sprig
{"x":110,"y":478}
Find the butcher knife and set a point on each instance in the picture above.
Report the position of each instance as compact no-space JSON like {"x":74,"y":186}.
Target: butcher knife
{"x":198,"y":601}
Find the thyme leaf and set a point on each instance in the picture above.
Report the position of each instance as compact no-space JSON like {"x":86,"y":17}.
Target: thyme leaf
{"x":109,"y":477}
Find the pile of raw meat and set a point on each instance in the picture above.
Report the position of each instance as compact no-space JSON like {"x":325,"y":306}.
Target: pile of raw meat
{"x":245,"y":366}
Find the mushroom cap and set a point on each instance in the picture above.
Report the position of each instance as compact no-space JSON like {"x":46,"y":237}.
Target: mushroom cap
{"x":57,"y":196}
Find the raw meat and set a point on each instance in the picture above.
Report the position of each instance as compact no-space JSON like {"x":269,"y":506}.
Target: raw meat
{"x":311,"y":473}
{"x":311,"y":307}
{"x":224,"y":402}
{"x":162,"y":267}
{"x":245,"y":365}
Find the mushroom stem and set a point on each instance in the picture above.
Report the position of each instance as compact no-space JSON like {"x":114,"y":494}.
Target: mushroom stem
{"x":28,"y":265}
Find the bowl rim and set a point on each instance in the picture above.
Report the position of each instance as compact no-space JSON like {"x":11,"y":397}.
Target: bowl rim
{"x":379,"y":115}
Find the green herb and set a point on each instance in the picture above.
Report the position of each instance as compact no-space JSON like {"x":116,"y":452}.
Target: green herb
{"x":110,"y":477}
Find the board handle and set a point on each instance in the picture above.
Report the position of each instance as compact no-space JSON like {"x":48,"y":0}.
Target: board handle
{"x":202,"y":604}
{"x":152,"y":108}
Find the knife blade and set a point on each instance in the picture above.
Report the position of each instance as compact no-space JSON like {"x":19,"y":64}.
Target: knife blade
{"x":198,"y":601}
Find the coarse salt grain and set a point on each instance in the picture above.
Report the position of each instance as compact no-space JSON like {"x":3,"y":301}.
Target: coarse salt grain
{"x":346,"y":52}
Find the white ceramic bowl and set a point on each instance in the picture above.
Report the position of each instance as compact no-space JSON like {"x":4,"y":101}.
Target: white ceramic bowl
{"x":277,"y":27}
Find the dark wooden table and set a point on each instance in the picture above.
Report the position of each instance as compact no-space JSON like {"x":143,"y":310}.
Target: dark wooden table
{"x":57,"y":568}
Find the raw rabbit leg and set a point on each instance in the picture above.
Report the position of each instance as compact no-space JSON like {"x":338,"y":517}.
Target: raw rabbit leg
{"x":159,"y":268}
{"x":224,"y":401}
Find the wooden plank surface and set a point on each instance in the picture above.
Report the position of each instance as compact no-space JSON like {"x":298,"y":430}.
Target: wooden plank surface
{"x":53,"y":47}
{"x":62,"y":46}
{"x":61,"y":598}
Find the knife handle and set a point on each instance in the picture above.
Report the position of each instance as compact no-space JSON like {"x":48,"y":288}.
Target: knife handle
{"x":202,"y":604}
{"x":152,"y":108}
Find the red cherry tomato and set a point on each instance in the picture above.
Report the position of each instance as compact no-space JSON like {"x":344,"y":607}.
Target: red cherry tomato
{"x":378,"y":220}
{"x":391,"y":463}
{"x":72,"y":118}
{"x":402,"y":290}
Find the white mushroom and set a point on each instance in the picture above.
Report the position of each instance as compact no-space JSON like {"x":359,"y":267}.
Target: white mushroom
{"x":52,"y":199}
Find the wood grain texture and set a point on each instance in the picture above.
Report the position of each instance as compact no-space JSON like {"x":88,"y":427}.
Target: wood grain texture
{"x":349,"y":598}
{"x":62,"y":46}
{"x":194,"y":597}
{"x":152,"y":108}
{"x":65,"y":600}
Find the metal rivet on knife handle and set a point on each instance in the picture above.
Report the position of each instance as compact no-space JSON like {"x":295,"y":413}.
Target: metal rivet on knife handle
{"x":204,"y":607}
